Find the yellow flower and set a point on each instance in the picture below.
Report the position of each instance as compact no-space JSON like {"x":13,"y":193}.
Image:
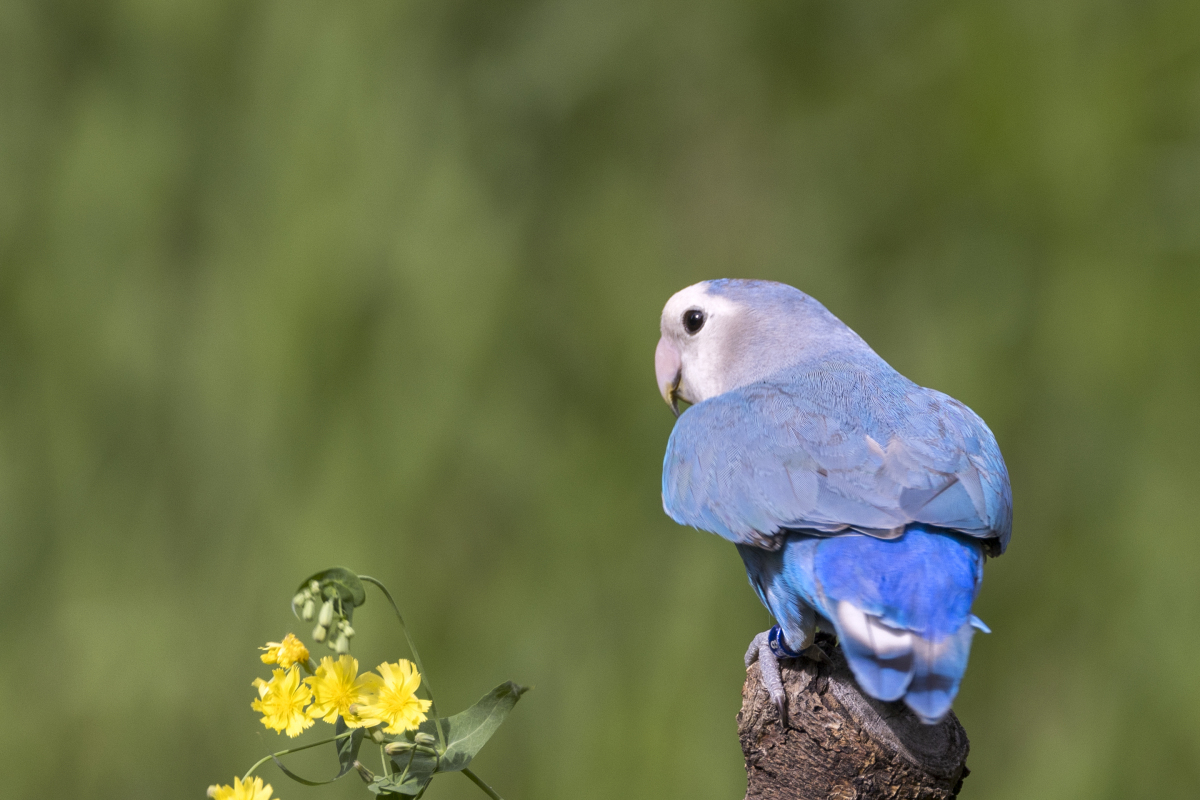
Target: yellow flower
{"x":336,"y":686}
{"x":286,"y":653}
{"x":241,"y":791}
{"x":395,"y":701}
{"x":281,"y":701}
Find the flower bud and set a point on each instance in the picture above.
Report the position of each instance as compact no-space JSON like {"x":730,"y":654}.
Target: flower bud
{"x":398,"y":747}
{"x":343,"y":644}
{"x":315,"y":588}
{"x":425,"y":739}
{"x":346,"y":629}
{"x":319,"y":633}
{"x":363,"y":772}
{"x":309,"y":609}
{"x":325,"y":618}
{"x":298,"y":600}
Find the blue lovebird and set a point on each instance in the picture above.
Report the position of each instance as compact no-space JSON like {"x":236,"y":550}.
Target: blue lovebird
{"x":859,"y":501}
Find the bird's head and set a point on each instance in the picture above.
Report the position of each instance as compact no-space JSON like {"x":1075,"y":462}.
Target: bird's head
{"x":722,"y":334}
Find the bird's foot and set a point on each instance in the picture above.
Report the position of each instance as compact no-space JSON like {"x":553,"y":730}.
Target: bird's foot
{"x":767,"y":648}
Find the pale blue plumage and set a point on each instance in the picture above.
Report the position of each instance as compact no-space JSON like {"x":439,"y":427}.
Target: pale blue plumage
{"x":792,"y":452}
{"x":851,"y":492}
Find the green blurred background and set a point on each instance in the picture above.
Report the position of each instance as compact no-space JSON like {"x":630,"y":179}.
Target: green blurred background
{"x":289,"y":284}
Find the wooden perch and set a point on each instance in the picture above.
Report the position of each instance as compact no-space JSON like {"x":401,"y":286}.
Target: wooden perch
{"x":841,"y":745}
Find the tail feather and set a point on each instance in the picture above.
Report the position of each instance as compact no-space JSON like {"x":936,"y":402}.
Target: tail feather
{"x":881,"y":657}
{"x":891,"y":663}
{"x":937,"y":673}
{"x":901,"y":608}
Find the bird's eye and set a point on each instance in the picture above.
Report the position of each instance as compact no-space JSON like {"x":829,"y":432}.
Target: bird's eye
{"x":693,"y":320}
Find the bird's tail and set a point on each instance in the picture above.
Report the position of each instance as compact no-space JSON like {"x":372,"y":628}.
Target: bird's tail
{"x":891,"y":663}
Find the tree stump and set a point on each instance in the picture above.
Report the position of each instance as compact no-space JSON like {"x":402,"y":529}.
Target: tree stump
{"x":840,"y":744}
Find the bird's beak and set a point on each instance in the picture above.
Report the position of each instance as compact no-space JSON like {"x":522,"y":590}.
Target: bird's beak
{"x":668,"y":368}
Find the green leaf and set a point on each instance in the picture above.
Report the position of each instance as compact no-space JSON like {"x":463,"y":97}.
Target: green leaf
{"x":415,"y":765}
{"x":343,"y":581}
{"x":468,"y":731}
{"x":347,"y":753}
{"x":391,"y":785}
{"x":347,"y":749}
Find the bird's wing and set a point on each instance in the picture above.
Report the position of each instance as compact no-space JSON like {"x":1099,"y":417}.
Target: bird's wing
{"x":821,"y":454}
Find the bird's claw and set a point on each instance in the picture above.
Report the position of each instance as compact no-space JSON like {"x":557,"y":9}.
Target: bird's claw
{"x":756,"y":644}
{"x":767,"y":648}
{"x":768,"y":665}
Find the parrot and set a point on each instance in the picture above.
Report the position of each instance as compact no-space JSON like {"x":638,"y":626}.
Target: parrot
{"x":861,"y":503}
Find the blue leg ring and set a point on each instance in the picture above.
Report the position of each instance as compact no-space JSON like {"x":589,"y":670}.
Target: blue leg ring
{"x":778,"y":645}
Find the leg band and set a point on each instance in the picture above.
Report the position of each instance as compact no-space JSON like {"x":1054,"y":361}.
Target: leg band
{"x":778,"y":645}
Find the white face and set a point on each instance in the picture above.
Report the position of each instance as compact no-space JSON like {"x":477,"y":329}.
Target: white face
{"x":745,"y":331}
{"x":698,"y":330}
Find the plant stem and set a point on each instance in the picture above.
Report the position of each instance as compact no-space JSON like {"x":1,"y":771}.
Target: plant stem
{"x":411,"y":755}
{"x":475,"y":779}
{"x":267,"y":758}
{"x":416,"y":657}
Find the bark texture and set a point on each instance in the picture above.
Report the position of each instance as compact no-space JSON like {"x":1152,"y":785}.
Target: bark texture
{"x":841,"y":745}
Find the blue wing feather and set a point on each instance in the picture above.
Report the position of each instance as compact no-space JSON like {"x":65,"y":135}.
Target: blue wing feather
{"x":838,"y":445}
